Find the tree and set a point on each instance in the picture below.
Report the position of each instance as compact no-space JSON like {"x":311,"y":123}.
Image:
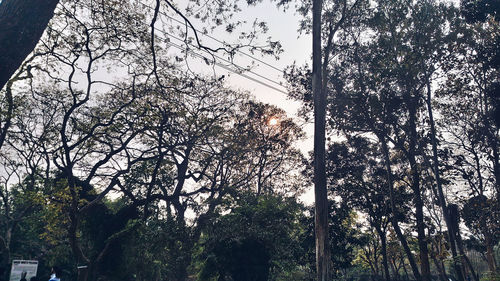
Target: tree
{"x":473,"y":137}
{"x":338,"y":18}
{"x":22,"y":207}
{"x":22,"y":168}
{"x":356,"y":173}
{"x":25,"y":21}
{"x":395,"y":64}
{"x":149,"y":129}
{"x":257,"y":240}
{"x":481,"y":12}
{"x":320,"y":193}
{"x":369,"y":255}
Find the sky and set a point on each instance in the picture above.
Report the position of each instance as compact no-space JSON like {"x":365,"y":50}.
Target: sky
{"x":283,"y":27}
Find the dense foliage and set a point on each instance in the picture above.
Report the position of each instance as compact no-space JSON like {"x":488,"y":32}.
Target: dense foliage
{"x":116,"y":156}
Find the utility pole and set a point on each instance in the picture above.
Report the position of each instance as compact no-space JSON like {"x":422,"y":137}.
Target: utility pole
{"x":320,"y":194}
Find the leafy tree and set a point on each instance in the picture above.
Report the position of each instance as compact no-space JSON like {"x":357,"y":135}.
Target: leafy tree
{"x":331,"y":24}
{"x":93,"y":131}
{"x":470,"y":115}
{"x":487,"y":11}
{"x":358,"y":176}
{"x":382,"y":82}
{"x":369,"y":255}
{"x":481,"y":216}
{"x":257,"y":240}
{"x":21,"y":224}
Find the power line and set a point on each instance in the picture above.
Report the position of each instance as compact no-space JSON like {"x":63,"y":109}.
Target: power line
{"x":240,"y":68}
{"x":217,"y":40}
{"x":220,"y":58}
{"x":225,"y":67}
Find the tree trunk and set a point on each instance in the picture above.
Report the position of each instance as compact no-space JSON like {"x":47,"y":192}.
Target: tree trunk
{"x":454,"y":220}
{"x":395,"y":271}
{"x":466,"y":259}
{"x":321,"y":200}
{"x":372,"y":267}
{"x":439,"y":266}
{"x":21,"y":25}
{"x":8,"y":114}
{"x":490,"y":253}
{"x":4,"y":259}
{"x":496,"y":167}
{"x":406,"y":271}
{"x":92,"y":272}
{"x":411,"y":103}
{"x":82,"y":273}
{"x":394,"y":220}
{"x":442,"y":199}
{"x":492,"y":140}
{"x":383,"y":241}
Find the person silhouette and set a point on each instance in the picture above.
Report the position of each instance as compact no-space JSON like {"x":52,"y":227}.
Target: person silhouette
{"x":55,"y":274}
{"x":23,"y":276}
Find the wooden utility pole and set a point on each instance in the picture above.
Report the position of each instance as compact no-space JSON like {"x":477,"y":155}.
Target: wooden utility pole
{"x":320,"y":194}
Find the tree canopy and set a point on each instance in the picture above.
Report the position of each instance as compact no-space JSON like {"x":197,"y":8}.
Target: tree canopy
{"x":120,"y":161}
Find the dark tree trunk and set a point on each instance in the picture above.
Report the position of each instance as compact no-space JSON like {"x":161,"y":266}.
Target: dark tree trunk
{"x":21,"y":25}
{"x":490,"y":253}
{"x":82,"y":273}
{"x":394,"y":220}
{"x":8,"y":114}
{"x":442,"y":199}
{"x":383,"y":240}
{"x":4,"y":259}
{"x":496,"y":166}
{"x":321,"y":200}
{"x":406,"y":271}
{"x":395,"y":270}
{"x":440,"y":268}
{"x":417,"y":193}
{"x":455,"y":220}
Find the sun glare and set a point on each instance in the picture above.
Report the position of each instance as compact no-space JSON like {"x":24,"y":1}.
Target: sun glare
{"x":273,"y":121}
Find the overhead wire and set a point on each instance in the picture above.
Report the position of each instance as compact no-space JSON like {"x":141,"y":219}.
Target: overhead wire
{"x":217,"y":40}
{"x":221,"y":65}
{"x":224,"y":67}
{"x":240,"y":68}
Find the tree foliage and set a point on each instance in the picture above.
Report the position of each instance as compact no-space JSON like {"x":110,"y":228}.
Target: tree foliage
{"x":116,"y":155}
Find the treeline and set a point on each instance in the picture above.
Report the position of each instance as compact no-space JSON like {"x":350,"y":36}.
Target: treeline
{"x":117,"y":161}
{"x":413,"y":117}
{"x":117,"y":157}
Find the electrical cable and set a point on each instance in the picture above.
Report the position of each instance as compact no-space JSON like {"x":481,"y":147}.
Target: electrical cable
{"x":240,"y":68}
{"x":225,"y":67}
{"x":217,"y":40}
